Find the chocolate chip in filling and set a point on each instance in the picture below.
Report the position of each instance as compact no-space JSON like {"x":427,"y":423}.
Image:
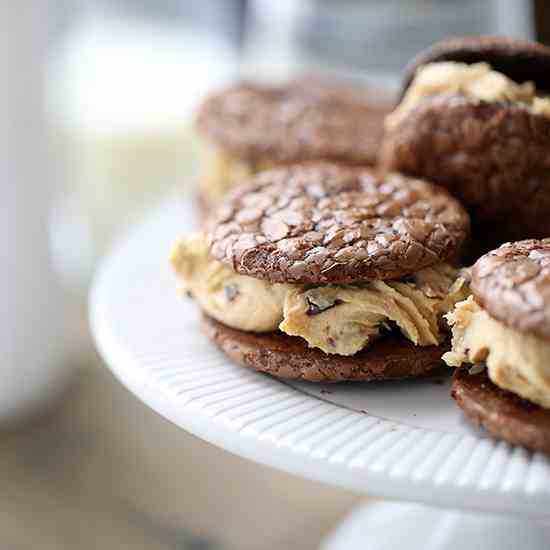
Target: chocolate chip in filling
{"x":318,"y":302}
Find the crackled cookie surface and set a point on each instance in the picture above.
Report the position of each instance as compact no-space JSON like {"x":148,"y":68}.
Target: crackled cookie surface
{"x":303,"y":119}
{"x":323,"y":223}
{"x":513,"y":284}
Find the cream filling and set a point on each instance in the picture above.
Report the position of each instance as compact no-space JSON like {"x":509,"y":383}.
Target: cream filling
{"x":334,"y":318}
{"x":515,"y":361}
{"x":221,"y":172}
{"x":476,"y":81}
{"x":235,"y":300}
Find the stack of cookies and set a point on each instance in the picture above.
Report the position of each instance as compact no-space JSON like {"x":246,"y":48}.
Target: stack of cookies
{"x":316,"y":263}
{"x":503,"y":329}
{"x":327,"y":273}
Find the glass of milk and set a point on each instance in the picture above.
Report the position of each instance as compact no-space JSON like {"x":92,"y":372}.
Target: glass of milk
{"x":124,"y":89}
{"x":35,"y":332}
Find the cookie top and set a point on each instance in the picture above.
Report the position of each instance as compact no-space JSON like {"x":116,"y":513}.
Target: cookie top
{"x":304,"y":119}
{"x":519,"y":60}
{"x":513,"y":284}
{"x":323,"y":223}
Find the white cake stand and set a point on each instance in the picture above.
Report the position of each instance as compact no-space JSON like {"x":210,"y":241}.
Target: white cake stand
{"x":405,"y":441}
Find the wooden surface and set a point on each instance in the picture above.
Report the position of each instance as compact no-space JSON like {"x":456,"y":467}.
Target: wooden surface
{"x":103,"y":471}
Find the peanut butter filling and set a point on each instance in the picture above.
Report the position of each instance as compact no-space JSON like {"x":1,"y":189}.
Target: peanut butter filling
{"x":516,"y":362}
{"x":477,"y":81}
{"x":339,"y":319}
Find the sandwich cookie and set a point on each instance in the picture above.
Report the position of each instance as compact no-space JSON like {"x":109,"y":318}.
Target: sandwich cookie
{"x":503,"y":329}
{"x":327,"y":273}
{"x":474,"y":117}
{"x":252,"y":127}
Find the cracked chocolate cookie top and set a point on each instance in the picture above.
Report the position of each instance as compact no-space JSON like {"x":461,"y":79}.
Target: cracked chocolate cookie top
{"x":519,"y":60}
{"x":304,"y":119}
{"x":513,"y":284}
{"x":324,"y":223}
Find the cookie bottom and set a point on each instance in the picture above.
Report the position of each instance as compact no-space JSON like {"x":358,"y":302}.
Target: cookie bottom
{"x":390,"y":358}
{"x":502,"y":413}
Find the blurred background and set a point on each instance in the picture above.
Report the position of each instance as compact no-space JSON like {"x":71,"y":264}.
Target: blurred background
{"x":96,"y":112}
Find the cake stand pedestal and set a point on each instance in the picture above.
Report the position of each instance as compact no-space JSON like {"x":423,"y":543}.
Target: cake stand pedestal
{"x":392,"y":525}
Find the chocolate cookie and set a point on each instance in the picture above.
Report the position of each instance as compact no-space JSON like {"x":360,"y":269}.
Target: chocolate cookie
{"x":283,"y":356}
{"x":492,"y":155}
{"x":513,"y":284}
{"x":304,"y":119}
{"x":502,"y":413}
{"x":324,"y":223}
